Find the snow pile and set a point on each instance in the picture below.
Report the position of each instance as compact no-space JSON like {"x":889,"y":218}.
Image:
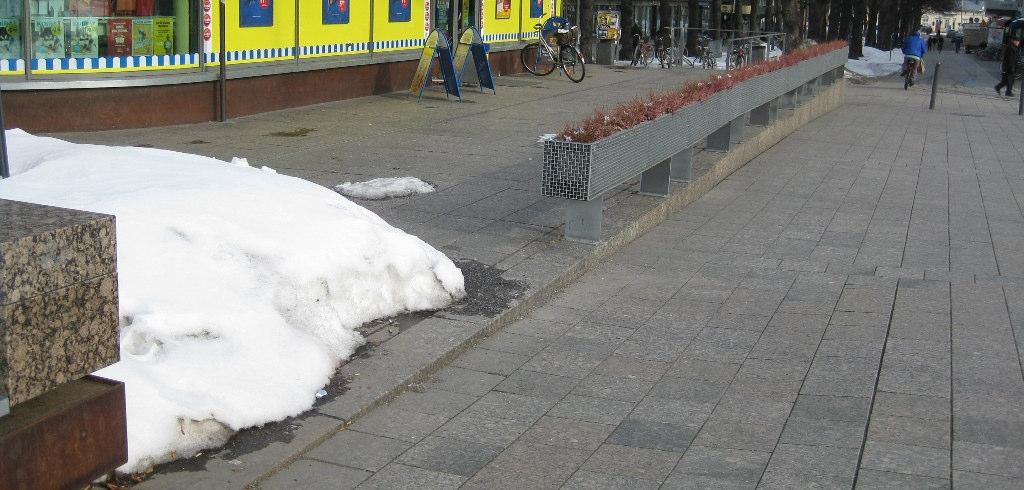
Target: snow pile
{"x":876,"y":63}
{"x":546,"y":137}
{"x":239,"y":288}
{"x":384,"y":188}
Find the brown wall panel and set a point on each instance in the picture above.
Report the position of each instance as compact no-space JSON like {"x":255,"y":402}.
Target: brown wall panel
{"x":163,"y":105}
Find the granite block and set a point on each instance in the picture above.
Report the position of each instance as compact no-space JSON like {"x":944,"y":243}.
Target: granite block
{"x":58,"y":297}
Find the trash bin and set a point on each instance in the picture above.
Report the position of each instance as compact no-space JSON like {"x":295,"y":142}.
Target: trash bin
{"x":606,"y":51}
{"x":758,"y":51}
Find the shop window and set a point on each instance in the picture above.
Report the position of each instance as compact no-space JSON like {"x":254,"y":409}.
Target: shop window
{"x":10,"y":29}
{"x":100,"y":28}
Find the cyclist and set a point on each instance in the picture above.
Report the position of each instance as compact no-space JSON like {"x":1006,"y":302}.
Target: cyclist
{"x":663,"y":47}
{"x":637,"y":38}
{"x":914,"y":49}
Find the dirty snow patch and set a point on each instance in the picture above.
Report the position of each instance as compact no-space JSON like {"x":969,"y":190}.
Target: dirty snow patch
{"x":876,"y":63}
{"x":239,"y":289}
{"x":384,"y":188}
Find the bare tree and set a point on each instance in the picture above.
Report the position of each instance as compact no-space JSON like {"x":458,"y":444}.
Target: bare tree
{"x":695,"y":22}
{"x":587,"y":27}
{"x":857,"y":29}
{"x":626,"y":20}
{"x":816,"y":16}
{"x":716,"y":18}
{"x":871,"y":28}
{"x":792,"y":19}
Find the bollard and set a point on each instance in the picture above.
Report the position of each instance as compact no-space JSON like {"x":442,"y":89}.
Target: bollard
{"x":222,"y":93}
{"x":5,"y":167}
{"x":1020,"y":108}
{"x":935,"y":85}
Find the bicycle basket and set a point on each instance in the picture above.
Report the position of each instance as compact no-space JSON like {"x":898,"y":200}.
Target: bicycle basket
{"x":566,"y":37}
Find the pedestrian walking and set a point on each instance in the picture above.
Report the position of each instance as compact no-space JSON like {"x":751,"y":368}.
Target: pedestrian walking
{"x":637,"y":35}
{"x":958,"y":40}
{"x":1011,"y":52}
{"x":941,"y":41}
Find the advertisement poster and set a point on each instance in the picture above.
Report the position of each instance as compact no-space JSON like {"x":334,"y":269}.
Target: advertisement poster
{"x":608,"y":24}
{"x":256,"y":13}
{"x":48,"y":38}
{"x":335,"y":11}
{"x":536,"y":8}
{"x":400,"y":11}
{"x":504,"y":9}
{"x":142,"y":36}
{"x":82,"y":37}
{"x":995,"y":36}
{"x":10,"y":38}
{"x":163,"y":35}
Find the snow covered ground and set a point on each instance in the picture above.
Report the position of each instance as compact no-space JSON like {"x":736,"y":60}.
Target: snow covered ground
{"x":384,"y":188}
{"x":876,"y":63}
{"x":239,"y":288}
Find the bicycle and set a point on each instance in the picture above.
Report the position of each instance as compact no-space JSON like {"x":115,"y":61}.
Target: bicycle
{"x":707,"y":60}
{"x":738,"y":57}
{"x":540,"y":58}
{"x":642,"y":53}
{"x":908,"y":73}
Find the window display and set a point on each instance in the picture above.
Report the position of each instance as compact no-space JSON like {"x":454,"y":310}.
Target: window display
{"x":104,"y":28}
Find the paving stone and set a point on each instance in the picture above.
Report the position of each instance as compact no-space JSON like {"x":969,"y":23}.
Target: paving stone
{"x":489,"y":478}
{"x":691,"y":389}
{"x":653,"y":435}
{"x":497,"y":404}
{"x":788,"y":479}
{"x":539,"y":385}
{"x":813,"y":460}
{"x":506,"y":341}
{"x":397,"y":475}
{"x":549,"y":462}
{"x":718,"y":467}
{"x":903,"y":458}
{"x":633,"y":462}
{"x":399,"y":424}
{"x":676,"y":412}
{"x":447,"y":455}
{"x":631,"y":368}
{"x":433,"y":401}
{"x":910,"y":431}
{"x":358,"y":450}
{"x":993,"y":460}
{"x":492,"y":431}
{"x":703,"y":369}
{"x":575,"y":434}
{"x":624,"y":389}
{"x":465,"y":381}
{"x":917,"y":406}
{"x":590,"y":409}
{"x":307,"y":473}
{"x":737,"y":435}
{"x":964,"y":479}
{"x":588,"y":480}
{"x":823,"y":432}
{"x":873,"y":479}
{"x":492,"y":362}
{"x":574,"y":363}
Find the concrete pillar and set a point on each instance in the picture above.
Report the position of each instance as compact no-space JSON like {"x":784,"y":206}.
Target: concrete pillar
{"x":682,"y":165}
{"x":721,"y":138}
{"x":736,"y":129}
{"x":765,"y":114}
{"x":583,"y":220}
{"x":655,"y":181}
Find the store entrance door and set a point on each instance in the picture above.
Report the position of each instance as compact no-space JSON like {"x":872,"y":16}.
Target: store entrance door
{"x":455,"y":16}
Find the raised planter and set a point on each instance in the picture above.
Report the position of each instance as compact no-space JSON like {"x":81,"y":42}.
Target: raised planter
{"x":583,"y":172}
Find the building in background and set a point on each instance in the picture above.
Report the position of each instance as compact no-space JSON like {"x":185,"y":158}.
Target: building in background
{"x":968,"y":12}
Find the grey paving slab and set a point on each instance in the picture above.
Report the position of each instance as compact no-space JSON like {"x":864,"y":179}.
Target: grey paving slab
{"x":359,"y":450}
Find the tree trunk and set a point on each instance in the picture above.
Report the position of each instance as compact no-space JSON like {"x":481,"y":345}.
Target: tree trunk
{"x":587,"y":27}
{"x":834,"y":8}
{"x":716,"y":18}
{"x":791,"y":21}
{"x":626,"y":41}
{"x":816,"y":10}
{"x":857,"y":29}
{"x":871,"y":28}
{"x":664,"y":14}
{"x":887,"y":23}
{"x":694,"y":25}
{"x":844,"y":19}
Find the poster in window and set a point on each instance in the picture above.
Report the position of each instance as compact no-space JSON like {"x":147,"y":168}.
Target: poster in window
{"x":335,"y":11}
{"x":82,"y":37}
{"x":400,"y":11}
{"x":256,"y":13}
{"x":119,"y":37}
{"x":10,"y":38}
{"x":142,"y":36}
{"x":536,"y":8}
{"x":48,"y":38}
{"x":163,"y":35}
{"x":504,"y":9}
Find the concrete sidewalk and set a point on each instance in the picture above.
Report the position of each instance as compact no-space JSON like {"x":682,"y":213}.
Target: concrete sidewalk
{"x":846,"y":310}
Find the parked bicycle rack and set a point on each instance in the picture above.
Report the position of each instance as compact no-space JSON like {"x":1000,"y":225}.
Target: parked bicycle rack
{"x":660,"y":151}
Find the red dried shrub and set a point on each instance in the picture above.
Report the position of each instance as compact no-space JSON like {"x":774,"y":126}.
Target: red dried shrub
{"x":604,"y":123}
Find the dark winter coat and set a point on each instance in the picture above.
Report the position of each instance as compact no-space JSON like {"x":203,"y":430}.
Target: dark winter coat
{"x":1010,"y":54}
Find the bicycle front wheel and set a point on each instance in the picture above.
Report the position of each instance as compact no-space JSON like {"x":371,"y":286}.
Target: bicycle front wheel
{"x":572,"y":64}
{"x":537,"y":60}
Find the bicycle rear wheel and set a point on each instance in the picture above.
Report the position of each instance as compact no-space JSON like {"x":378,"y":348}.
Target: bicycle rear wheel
{"x":536,"y":59}
{"x":572,"y":64}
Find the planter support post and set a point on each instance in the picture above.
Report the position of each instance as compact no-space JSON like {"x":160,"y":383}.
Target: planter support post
{"x":788,"y":100}
{"x":656,"y":180}
{"x":682,"y":166}
{"x":720,"y":139}
{"x":583,"y":220}
{"x":764,"y":115}
{"x":736,"y":129}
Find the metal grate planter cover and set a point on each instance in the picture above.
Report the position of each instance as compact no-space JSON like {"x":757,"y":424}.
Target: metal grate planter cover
{"x":585,"y":171}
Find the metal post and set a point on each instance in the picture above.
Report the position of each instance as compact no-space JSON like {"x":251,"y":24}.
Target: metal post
{"x":935,"y":85}
{"x":682,"y":165}
{"x":583,"y":220}
{"x":5,"y":167}
{"x":1020,"y":104}
{"x":222,"y":91}
{"x":656,"y":181}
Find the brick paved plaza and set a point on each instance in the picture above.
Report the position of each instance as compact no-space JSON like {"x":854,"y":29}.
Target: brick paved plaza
{"x":845,"y":310}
